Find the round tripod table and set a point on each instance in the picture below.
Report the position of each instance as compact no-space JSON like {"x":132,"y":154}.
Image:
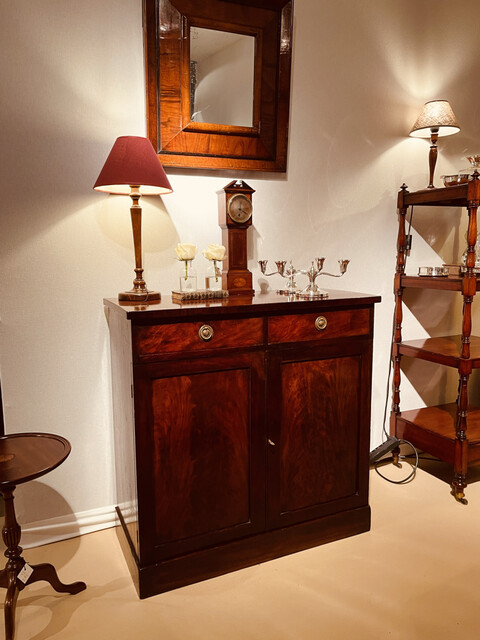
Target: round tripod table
{"x":24,"y":457}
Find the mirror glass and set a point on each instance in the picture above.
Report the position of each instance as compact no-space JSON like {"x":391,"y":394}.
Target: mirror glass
{"x":221,"y":77}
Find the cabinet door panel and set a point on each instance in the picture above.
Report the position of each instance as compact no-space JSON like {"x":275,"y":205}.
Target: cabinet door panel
{"x":319,"y":430}
{"x":206,"y":448}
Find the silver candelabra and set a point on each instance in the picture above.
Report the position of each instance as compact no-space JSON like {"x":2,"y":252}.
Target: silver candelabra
{"x":289,"y":272}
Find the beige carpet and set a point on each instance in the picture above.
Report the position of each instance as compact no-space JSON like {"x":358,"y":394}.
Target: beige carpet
{"x":413,"y":576}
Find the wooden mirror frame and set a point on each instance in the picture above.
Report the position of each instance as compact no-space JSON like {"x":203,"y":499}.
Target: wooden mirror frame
{"x":180,"y":142}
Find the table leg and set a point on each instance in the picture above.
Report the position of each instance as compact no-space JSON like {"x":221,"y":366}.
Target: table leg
{"x":10,"y":603}
{"x":48,"y":573}
{"x":11,"y":533}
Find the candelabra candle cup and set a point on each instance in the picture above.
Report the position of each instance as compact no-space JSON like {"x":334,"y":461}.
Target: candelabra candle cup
{"x":281,"y":264}
{"x":263,"y":265}
{"x":343,"y":266}
{"x":320,"y":262}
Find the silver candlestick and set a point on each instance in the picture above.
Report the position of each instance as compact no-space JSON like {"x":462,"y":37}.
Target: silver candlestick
{"x":312,"y":290}
{"x":288,"y":273}
{"x":316,"y":269}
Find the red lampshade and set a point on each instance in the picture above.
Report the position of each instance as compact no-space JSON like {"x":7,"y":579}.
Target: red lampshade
{"x":133,"y":162}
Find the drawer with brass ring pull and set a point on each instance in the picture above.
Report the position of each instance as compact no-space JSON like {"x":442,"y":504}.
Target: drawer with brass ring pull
{"x":197,"y":336}
{"x":311,"y":326}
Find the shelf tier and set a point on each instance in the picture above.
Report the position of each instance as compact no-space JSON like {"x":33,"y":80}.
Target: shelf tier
{"x":442,"y":350}
{"x":432,"y":429}
{"x":457,"y":196}
{"x":431,"y":282}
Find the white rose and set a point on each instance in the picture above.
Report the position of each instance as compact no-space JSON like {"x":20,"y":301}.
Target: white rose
{"x":214,"y":252}
{"x":185,"y":251}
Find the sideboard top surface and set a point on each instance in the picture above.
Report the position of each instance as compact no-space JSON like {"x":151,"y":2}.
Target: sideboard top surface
{"x":259,"y":304}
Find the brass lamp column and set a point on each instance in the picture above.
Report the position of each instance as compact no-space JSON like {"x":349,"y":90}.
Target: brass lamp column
{"x":436,"y":119}
{"x":133,"y":168}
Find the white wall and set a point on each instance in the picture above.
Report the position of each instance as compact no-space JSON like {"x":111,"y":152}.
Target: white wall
{"x":72,"y":81}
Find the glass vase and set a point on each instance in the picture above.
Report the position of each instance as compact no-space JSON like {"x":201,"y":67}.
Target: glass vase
{"x":188,"y":276}
{"x":213,"y":277}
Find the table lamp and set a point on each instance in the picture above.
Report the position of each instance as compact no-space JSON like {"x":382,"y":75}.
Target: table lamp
{"x":436,"y":119}
{"x":133,"y":168}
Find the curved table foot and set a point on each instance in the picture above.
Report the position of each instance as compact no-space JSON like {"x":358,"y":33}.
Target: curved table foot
{"x":9,"y":611}
{"x":48,"y":573}
{"x":9,"y":580}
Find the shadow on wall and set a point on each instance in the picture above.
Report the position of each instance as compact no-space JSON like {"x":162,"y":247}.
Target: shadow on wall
{"x":443,"y":229}
{"x":158,"y":231}
{"x":437,"y":384}
{"x":35,"y":501}
{"x":439,"y":312}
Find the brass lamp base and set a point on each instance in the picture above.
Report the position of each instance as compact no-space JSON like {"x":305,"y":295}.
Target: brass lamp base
{"x":135,"y":295}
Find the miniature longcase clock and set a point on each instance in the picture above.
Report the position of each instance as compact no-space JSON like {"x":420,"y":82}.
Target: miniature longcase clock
{"x":235,"y":217}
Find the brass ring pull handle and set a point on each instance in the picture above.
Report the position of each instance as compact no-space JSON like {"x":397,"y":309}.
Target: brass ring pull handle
{"x":320,"y":323}
{"x":205,"y":332}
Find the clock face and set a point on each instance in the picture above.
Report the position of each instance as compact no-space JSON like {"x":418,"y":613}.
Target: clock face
{"x":239,"y":208}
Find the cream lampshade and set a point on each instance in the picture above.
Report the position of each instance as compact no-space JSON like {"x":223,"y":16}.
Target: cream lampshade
{"x":436,"y":119}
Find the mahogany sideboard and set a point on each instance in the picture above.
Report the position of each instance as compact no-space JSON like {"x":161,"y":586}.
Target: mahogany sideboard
{"x":241,"y":430}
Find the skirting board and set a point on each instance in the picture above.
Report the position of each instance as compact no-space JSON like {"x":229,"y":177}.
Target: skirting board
{"x":71,"y":525}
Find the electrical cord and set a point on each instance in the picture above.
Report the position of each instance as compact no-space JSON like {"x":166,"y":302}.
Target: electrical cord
{"x":387,"y":395}
{"x":414,"y":467}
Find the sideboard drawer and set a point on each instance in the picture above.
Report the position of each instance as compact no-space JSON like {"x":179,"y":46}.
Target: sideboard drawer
{"x":323,"y":326}
{"x":197,"y":336}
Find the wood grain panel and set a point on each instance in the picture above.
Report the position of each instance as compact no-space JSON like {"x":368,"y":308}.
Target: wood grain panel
{"x":442,"y":350}
{"x":432,"y":282}
{"x":318,"y":432}
{"x":201,"y":453}
{"x":441,"y":419}
{"x":351,"y":322}
{"x":149,"y":340}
